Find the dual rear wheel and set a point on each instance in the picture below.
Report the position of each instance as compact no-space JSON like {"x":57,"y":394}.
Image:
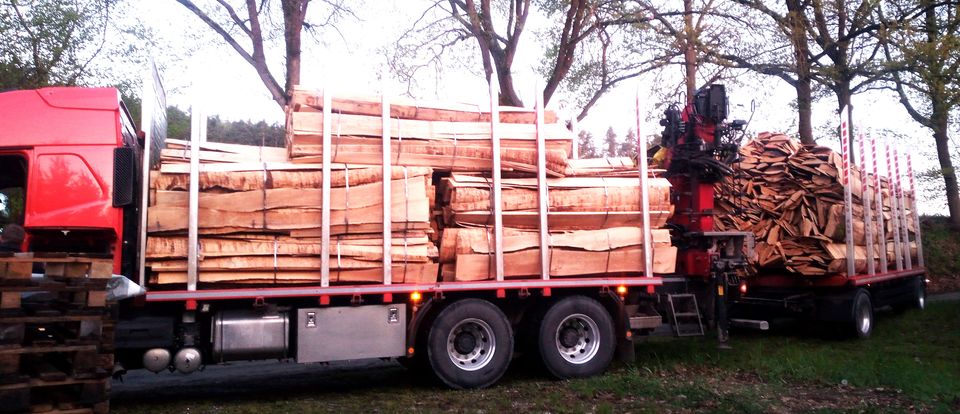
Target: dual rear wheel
{"x":470,"y":343}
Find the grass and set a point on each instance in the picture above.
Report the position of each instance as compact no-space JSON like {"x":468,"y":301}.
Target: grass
{"x":910,"y":363}
{"x":941,"y":251}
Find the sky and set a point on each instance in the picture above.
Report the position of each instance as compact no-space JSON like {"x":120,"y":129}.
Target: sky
{"x":201,"y":69}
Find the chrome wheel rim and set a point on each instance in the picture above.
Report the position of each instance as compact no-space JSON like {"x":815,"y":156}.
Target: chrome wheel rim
{"x":471,"y":344}
{"x":577,"y":338}
{"x":865,"y":317}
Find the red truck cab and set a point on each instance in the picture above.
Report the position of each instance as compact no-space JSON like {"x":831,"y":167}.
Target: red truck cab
{"x":68,"y":154}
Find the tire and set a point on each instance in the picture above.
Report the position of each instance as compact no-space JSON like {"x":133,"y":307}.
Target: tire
{"x":914,"y":298}
{"x":919,"y":299}
{"x":861,"y":315}
{"x":576,"y":338}
{"x":470,"y":344}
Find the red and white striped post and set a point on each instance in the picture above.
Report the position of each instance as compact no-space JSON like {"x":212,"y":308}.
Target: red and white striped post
{"x":644,"y":196}
{"x":916,"y":213}
{"x":882,"y":230}
{"x":901,"y":203}
{"x":847,"y":194}
{"x":865,"y":196}
{"x":894,"y":209}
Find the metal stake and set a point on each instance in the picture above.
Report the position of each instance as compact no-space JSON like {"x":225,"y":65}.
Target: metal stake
{"x":644,"y":195}
{"x":387,"y":182}
{"x":325,"y":159}
{"x":894,"y":208}
{"x":496,"y":200}
{"x":916,"y":213}
{"x":865,"y":196}
{"x":847,"y":194}
{"x":542,"y":193}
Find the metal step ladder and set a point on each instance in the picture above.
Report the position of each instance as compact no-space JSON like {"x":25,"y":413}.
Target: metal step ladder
{"x":685,"y":314}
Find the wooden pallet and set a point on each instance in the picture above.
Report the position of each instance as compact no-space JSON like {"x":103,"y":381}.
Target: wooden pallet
{"x":56,"y":334}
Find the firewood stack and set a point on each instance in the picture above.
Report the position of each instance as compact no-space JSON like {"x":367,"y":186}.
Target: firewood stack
{"x":791,"y":197}
{"x":260,"y":208}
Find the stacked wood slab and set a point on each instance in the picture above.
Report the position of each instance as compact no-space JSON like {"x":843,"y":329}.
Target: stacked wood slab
{"x":595,"y":226}
{"x":791,"y":197}
{"x":260,"y":208}
{"x":259,"y":220}
{"x":438,"y":135}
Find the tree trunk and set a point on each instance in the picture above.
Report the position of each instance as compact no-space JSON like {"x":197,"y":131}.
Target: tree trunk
{"x":843,"y":101}
{"x":946,"y":166}
{"x":294,"y":12}
{"x":805,"y":111}
{"x":690,"y":52}
{"x":801,"y":49}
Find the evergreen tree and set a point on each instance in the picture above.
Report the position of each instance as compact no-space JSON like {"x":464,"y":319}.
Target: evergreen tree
{"x":611,"y":144}
{"x":587,"y":148}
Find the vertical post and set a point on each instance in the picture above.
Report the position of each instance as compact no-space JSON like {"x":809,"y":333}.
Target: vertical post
{"x":847,"y":194}
{"x":916,"y":214}
{"x":574,"y":127}
{"x":644,"y":195}
{"x":496,"y":194}
{"x":881,"y":225}
{"x":198,"y":131}
{"x":901,"y":203}
{"x":865,"y":198}
{"x":542,"y":193}
{"x":326,"y":153}
{"x":153,"y":123}
{"x":387,"y":184}
{"x":894,"y":209}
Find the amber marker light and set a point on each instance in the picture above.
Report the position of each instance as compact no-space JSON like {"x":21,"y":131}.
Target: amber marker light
{"x":743,"y":288}
{"x":621,"y":290}
{"x":416,"y":296}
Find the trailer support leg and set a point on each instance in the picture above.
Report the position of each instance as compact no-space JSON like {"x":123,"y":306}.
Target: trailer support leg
{"x":723,"y":322}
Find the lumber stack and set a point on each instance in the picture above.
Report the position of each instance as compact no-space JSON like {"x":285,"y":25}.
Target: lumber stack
{"x":262,"y":225}
{"x":791,"y":197}
{"x":452,"y":137}
{"x":260,"y":208}
{"x":595,"y":220}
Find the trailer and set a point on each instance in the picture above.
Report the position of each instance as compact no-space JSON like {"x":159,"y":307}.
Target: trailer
{"x":84,"y":170}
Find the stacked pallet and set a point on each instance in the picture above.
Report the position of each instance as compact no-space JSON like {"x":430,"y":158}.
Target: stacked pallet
{"x":454,"y":137}
{"x":595,"y":223}
{"x":260,"y":224}
{"x":56,"y":345}
{"x":791,"y":197}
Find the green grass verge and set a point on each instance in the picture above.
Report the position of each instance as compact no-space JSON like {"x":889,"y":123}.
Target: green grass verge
{"x":912,"y":361}
{"x":941,"y":251}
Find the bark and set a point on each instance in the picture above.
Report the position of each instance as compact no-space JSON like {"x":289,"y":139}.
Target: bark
{"x":941,"y":125}
{"x":796,"y":24}
{"x":294,"y":12}
{"x":690,"y":50}
{"x":805,"y":111}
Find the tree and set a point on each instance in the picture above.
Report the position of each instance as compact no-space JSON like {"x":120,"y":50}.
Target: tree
{"x":497,"y":28}
{"x":628,"y":148}
{"x":48,"y":42}
{"x":925,"y":53}
{"x":257,"y":29}
{"x":773,"y":28}
{"x":611,"y":144}
{"x":586,"y":146}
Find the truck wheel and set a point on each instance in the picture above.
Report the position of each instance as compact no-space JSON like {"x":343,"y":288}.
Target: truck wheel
{"x":919,"y":298}
{"x":576,"y":338}
{"x":862,"y":314}
{"x":470,"y":344}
